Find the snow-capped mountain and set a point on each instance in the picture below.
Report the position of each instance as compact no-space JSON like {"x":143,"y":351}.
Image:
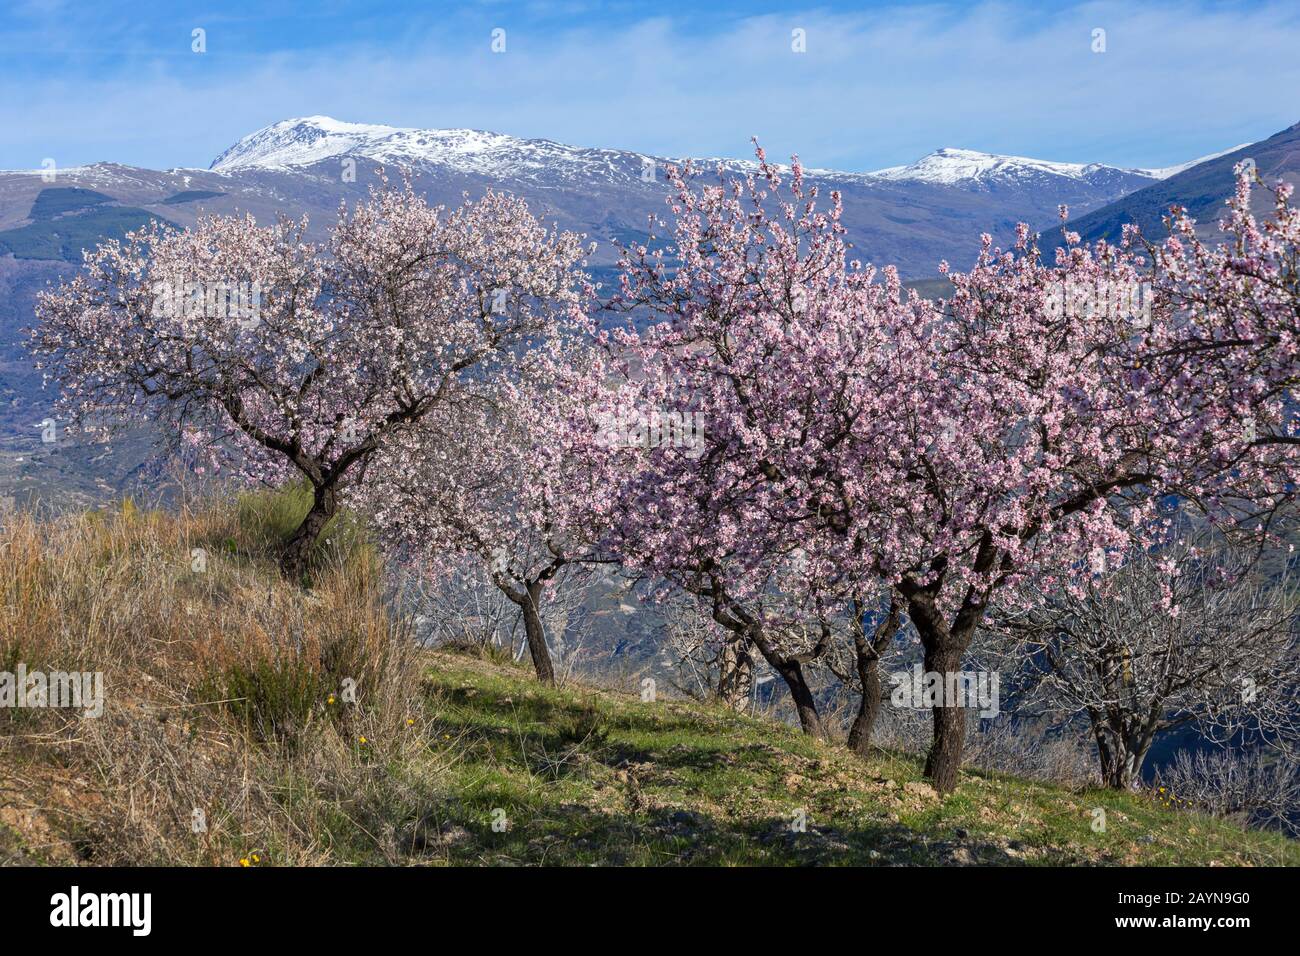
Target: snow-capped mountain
{"x":951,"y":167}
{"x":913,"y":216}
{"x":303,"y":142}
{"x":956,"y":167}
{"x":1167,"y":171}
{"x":306,"y":141}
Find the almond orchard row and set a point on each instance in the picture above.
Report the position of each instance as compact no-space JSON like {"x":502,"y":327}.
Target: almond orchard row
{"x":832,"y":454}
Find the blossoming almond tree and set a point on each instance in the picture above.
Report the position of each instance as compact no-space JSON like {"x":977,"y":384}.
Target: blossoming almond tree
{"x":283,"y":357}
{"x":509,"y":472}
{"x":1015,"y":428}
{"x":1026,"y":427}
{"x":1050,"y":419}
{"x":1240,"y":340}
{"x":1224,"y":360}
{"x":762,"y":329}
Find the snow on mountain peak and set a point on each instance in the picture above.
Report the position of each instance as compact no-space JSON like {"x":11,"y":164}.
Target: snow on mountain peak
{"x":311,"y":139}
{"x":950,"y":166}
{"x":1167,"y":171}
{"x":307,"y":140}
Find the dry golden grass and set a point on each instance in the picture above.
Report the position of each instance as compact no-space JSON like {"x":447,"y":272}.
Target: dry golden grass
{"x":224,"y":691}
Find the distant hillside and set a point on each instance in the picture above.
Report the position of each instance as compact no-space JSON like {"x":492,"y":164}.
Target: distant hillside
{"x":1201,"y":190}
{"x":65,"y":221}
{"x":910,"y":216}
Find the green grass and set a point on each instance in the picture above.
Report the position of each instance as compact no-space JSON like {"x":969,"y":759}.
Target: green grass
{"x":583,"y":776}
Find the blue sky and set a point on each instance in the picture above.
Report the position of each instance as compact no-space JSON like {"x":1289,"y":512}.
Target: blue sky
{"x":879,"y":83}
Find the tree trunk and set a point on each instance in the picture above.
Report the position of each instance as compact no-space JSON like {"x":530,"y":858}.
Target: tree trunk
{"x":1117,"y":769}
{"x":868,"y":707}
{"x":944,"y":657}
{"x":735,"y":674}
{"x":1121,"y":756}
{"x":1105,"y":755}
{"x":536,"y":635}
{"x":868,"y":657}
{"x":800,"y":693}
{"x":788,"y":666}
{"x":297,"y":551}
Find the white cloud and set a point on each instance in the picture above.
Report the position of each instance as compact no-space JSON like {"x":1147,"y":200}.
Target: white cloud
{"x":1178,"y":79}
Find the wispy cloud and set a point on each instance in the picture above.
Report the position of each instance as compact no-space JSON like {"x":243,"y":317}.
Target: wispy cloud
{"x":1177,"y":79}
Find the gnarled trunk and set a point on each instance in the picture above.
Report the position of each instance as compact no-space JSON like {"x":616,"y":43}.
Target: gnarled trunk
{"x":945,"y":646}
{"x":536,"y":634}
{"x":1121,"y":753}
{"x":805,"y":706}
{"x":297,"y":551}
{"x":789,"y":666}
{"x":867,"y":658}
{"x":944,"y":759}
{"x":1119,"y":768}
{"x":735,"y":674}
{"x":868,"y":707}
{"x":801,"y":694}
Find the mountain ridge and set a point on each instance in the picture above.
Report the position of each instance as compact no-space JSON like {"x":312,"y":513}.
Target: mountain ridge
{"x":1201,"y":190}
{"x":305,"y":141}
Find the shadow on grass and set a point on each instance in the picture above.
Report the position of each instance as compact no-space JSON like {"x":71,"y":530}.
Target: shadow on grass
{"x":567,"y":782}
{"x":544,"y":727}
{"x":576,"y":835}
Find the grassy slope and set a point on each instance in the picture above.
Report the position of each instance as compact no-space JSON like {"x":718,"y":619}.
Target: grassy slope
{"x":440,"y":741}
{"x":592,"y":776}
